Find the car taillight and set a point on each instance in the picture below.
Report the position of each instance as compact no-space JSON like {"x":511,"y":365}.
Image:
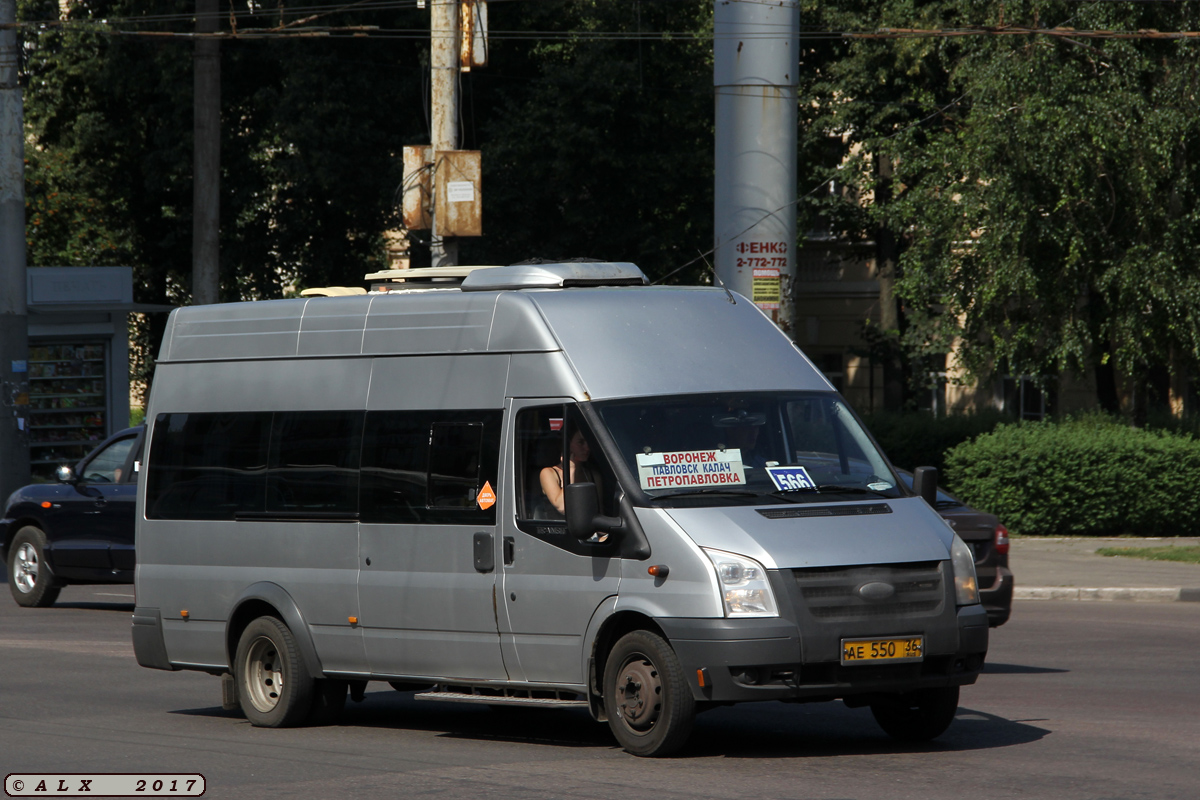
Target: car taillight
{"x":1001,"y":540}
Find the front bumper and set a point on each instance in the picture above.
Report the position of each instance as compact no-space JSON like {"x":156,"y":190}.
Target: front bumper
{"x":762,"y":659}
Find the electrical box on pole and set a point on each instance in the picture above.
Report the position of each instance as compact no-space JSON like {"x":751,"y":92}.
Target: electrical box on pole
{"x":755,"y":65}
{"x":417,"y":201}
{"x":458,"y":201}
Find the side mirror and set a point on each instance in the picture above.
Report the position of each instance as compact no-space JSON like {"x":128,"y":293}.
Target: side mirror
{"x":925,"y":484}
{"x":583,"y":512}
{"x":65,"y":474}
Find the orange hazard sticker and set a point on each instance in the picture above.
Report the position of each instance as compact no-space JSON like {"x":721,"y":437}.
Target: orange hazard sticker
{"x":486,"y":497}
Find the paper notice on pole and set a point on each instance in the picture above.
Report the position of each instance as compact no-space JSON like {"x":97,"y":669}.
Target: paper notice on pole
{"x":691,"y":468}
{"x":766,"y":287}
{"x":460,"y":192}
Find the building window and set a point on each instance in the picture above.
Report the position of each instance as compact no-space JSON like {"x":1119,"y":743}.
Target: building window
{"x":1022,"y":398}
{"x":933,"y":398}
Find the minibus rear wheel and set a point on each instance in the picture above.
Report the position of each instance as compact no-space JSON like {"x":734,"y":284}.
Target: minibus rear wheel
{"x":917,"y":716}
{"x":29,"y":576}
{"x":274,"y":685}
{"x":649,"y":704}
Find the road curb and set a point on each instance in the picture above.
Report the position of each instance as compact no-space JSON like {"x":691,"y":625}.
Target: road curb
{"x":1137,"y":595}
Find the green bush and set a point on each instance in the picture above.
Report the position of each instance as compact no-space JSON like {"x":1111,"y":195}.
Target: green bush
{"x":919,"y":439}
{"x":1093,"y":475}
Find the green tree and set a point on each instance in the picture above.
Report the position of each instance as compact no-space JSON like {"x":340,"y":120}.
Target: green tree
{"x":604,"y":146}
{"x":1043,"y":187}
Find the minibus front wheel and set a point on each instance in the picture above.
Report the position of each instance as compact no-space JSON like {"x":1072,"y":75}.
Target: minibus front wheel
{"x":649,"y":705}
{"x":273,"y":683}
{"x":917,"y":716}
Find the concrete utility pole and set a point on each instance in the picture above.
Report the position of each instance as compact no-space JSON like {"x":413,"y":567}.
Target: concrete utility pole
{"x":206,"y":175}
{"x":756,"y":60}
{"x":14,"y":328}
{"x":444,"y":68}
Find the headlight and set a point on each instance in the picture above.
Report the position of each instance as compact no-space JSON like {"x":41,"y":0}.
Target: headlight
{"x":966,"y":586}
{"x":743,"y":583}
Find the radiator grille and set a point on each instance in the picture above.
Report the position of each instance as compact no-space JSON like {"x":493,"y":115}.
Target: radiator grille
{"x":830,"y":593}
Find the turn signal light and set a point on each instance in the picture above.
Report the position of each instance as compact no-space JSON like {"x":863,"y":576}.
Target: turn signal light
{"x":1001,"y":543}
{"x":352,"y":620}
{"x":659,"y":570}
{"x":184,"y":613}
{"x":46,"y":504}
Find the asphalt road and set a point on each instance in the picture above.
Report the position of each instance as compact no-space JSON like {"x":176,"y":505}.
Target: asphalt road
{"x":1080,"y":700}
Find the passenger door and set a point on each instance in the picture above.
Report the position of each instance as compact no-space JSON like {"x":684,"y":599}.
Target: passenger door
{"x":552,"y":583}
{"x":427,"y":539}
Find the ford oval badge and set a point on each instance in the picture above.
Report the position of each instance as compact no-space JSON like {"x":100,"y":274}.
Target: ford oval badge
{"x":875,"y":591}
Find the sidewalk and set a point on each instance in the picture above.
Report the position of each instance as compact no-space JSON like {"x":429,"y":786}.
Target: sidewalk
{"x":1069,"y":569}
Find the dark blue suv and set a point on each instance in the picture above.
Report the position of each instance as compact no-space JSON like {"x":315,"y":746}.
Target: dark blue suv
{"x":79,"y":530}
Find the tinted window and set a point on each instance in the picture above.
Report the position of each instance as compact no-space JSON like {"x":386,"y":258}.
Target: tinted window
{"x":314,"y":462}
{"x":207,"y":466}
{"x":430,"y":466}
{"x":454,"y":453}
{"x":395,"y":461}
{"x":416,"y":466}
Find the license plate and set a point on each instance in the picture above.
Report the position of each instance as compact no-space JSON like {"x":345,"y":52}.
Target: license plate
{"x":889,"y":651}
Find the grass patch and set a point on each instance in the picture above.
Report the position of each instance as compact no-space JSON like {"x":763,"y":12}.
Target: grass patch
{"x":1188,"y":555}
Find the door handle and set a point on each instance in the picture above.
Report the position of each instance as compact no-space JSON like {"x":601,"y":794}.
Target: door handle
{"x":510,"y":550}
{"x":485,"y":552}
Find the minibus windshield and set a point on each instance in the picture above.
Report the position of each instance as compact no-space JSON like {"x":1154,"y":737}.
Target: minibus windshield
{"x":731,"y":448}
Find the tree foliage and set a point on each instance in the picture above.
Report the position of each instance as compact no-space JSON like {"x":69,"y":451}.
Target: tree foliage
{"x":592,"y":145}
{"x":1045,"y":187}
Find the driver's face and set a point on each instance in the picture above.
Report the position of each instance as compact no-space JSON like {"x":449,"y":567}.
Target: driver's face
{"x":580,"y":449}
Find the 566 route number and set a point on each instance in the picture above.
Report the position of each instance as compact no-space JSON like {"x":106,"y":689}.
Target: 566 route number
{"x":104,"y":785}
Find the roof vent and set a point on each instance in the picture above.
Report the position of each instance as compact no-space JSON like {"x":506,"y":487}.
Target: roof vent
{"x":555,"y":276}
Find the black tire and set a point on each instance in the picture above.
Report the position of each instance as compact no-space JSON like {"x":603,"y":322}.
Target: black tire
{"x":649,"y":705}
{"x":30,"y":578}
{"x":917,"y":716}
{"x":328,"y":700}
{"x":274,"y":686}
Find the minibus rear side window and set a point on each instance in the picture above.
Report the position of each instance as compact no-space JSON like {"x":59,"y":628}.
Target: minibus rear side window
{"x":207,"y":466}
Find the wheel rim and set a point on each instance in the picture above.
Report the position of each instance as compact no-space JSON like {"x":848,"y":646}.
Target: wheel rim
{"x":639,"y":693}
{"x":25,"y":568}
{"x":264,"y":674}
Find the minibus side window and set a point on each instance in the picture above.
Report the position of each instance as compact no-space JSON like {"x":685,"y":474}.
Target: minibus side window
{"x":395,"y":456}
{"x":207,"y":466}
{"x":314,"y":462}
{"x":430,"y":467}
{"x":454,"y":456}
